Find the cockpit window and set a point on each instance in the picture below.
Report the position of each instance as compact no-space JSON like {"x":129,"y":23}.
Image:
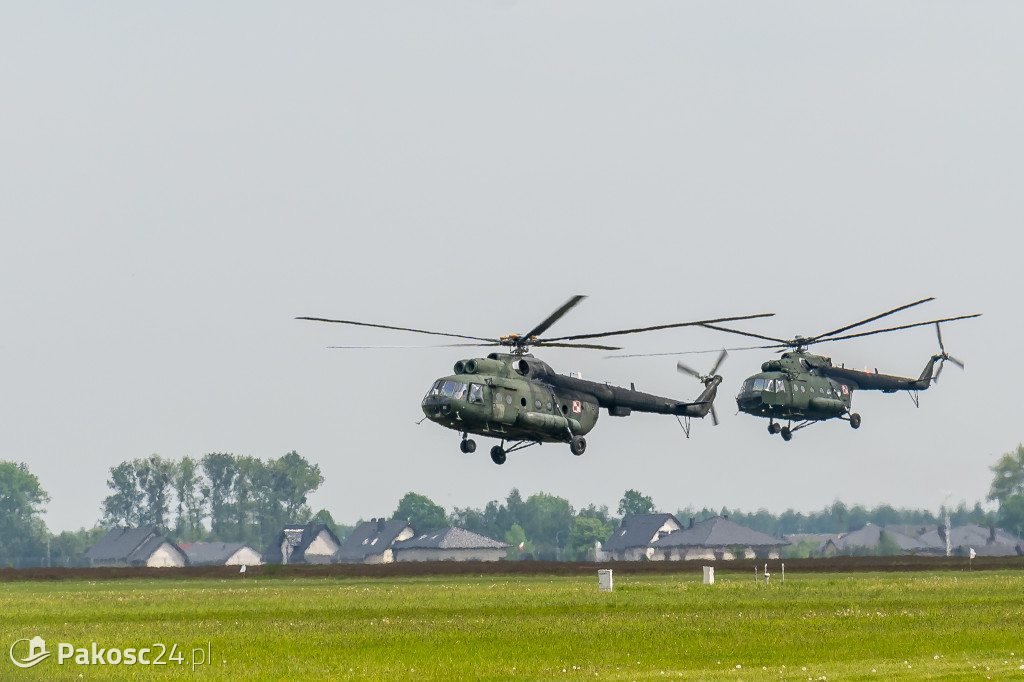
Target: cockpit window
{"x":758,"y":384}
{"x":476,"y":393}
{"x":449,"y":388}
{"x":460,"y":391}
{"x":436,"y":388}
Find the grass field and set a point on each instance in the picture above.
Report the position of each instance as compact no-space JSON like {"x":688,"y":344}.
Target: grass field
{"x":870,"y":626}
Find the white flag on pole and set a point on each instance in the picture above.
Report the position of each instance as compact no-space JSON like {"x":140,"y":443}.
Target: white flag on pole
{"x":973,"y":553}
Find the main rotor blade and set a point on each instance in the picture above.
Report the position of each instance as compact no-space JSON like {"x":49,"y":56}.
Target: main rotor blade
{"x":689,"y":352}
{"x":556,"y":344}
{"x":553,"y":317}
{"x":401,"y":329}
{"x":440,"y":345}
{"x":903,"y":326}
{"x":637,"y":330}
{"x":870,"y":319}
{"x":784,"y":342}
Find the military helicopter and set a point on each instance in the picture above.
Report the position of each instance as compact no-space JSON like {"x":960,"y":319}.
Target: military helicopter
{"x":807,"y":388}
{"x":521,"y":400}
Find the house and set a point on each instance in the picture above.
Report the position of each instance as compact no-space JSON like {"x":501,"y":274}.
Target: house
{"x":716,"y":538}
{"x":313,"y":543}
{"x":371,"y":542}
{"x":632,"y":540}
{"x":866,"y":542}
{"x":989,"y":541}
{"x":450,"y":544}
{"x":136,"y":547}
{"x":222,"y":554}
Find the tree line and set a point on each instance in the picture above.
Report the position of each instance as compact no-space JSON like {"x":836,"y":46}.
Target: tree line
{"x":234,"y":498}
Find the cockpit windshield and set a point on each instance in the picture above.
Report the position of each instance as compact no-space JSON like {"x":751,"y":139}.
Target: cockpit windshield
{"x":457,"y":390}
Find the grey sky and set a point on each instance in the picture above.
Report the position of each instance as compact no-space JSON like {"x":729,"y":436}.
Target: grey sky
{"x":180,"y":180}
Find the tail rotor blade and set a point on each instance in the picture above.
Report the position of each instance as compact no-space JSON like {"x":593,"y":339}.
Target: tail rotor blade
{"x":685,"y":369}
{"x":938,"y":332}
{"x":955,"y":361}
{"x":718,"y":363}
{"x":938,"y":372}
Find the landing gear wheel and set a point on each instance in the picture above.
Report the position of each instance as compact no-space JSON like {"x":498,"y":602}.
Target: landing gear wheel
{"x":498,"y":454}
{"x":468,"y":445}
{"x":855,"y":420}
{"x":578,"y":445}
{"x":774,"y":428}
{"x":787,"y":435}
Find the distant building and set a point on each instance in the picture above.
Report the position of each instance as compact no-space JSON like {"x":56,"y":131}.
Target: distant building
{"x":989,"y":541}
{"x":313,"y":543}
{"x":136,"y":547}
{"x":632,"y":540}
{"x":449,"y":544}
{"x":866,"y":541}
{"x":222,"y":554}
{"x":716,"y":538}
{"x":372,"y":542}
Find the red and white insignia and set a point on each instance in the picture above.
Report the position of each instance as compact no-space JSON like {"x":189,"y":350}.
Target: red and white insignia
{"x":577,"y":407}
{"x":846,"y":391}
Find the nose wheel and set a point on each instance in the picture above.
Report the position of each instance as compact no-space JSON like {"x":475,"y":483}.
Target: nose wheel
{"x":855,"y":420}
{"x":467,"y":445}
{"x":498,"y":454}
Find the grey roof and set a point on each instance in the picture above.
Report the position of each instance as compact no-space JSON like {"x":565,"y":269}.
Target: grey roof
{"x":130,"y":545}
{"x":450,"y":538}
{"x":718,"y":531}
{"x":370,"y":537}
{"x":869,"y":535}
{"x":970,"y":535}
{"x":212,"y":552}
{"x":637,"y":530}
{"x":299,"y":537}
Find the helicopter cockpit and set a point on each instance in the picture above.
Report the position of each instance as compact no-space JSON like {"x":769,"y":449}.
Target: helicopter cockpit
{"x":456,"y":390}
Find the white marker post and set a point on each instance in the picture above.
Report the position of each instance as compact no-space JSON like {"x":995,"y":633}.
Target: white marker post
{"x":242,"y":571}
{"x":709,"y":575}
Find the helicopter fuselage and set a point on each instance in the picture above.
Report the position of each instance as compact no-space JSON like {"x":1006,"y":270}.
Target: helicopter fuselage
{"x":520,"y":398}
{"x":805,"y":387}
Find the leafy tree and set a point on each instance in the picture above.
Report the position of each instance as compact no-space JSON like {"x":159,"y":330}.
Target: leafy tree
{"x":22,"y":531}
{"x":585,"y":531}
{"x":516,"y":536}
{"x":887,"y":546}
{"x":293,"y":480}
{"x":125,"y":506}
{"x":69,"y":547}
{"x":1009,"y":475}
{"x":340,"y":530}
{"x":634,"y":502}
{"x":421,"y":513}
{"x":220,"y":470}
{"x":190,"y":510}
{"x":1011,"y":514}
{"x":546,"y":520}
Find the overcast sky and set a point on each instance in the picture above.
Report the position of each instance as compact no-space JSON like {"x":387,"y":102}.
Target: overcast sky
{"x":180,"y":180}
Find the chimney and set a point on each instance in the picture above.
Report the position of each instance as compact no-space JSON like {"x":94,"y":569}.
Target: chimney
{"x":380,"y":524}
{"x":691,"y":522}
{"x":991,"y":534}
{"x":942,"y":532}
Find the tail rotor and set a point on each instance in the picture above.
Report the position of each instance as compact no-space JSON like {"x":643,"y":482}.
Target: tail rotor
{"x":706,"y":379}
{"x":943,"y":355}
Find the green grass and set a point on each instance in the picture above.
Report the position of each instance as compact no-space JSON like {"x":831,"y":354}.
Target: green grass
{"x":953,"y":626}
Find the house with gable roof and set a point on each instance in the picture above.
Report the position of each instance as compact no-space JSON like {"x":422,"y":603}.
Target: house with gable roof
{"x":222,"y":554}
{"x":136,"y":547}
{"x":372,"y":542}
{"x":312,"y":543}
{"x":989,"y":541}
{"x":716,"y":538}
{"x":632,"y":540}
{"x":450,"y":544}
{"x":865,"y":541}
